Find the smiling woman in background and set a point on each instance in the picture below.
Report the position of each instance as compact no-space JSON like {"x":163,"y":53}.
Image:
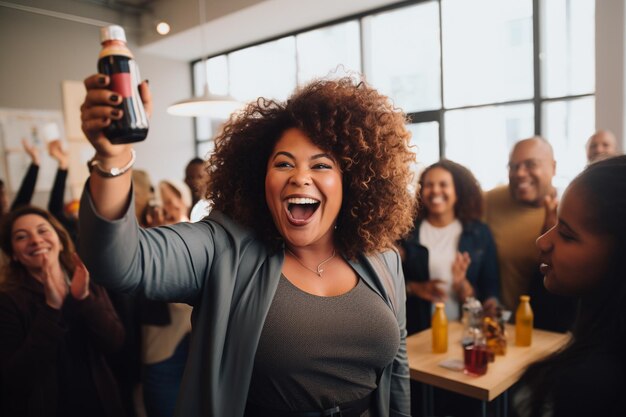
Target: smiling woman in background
{"x":299,"y":300}
{"x":450,"y":254}
{"x":53,"y":330}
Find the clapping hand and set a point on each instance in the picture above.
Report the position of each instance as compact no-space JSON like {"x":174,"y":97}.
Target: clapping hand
{"x":80,"y":280}
{"x":460,"y":284}
{"x":54,"y":285}
{"x":429,"y":290}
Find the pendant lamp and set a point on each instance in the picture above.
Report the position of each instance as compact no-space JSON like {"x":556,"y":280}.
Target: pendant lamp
{"x":207,"y":104}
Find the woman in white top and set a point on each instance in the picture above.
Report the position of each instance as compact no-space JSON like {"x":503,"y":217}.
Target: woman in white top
{"x":451,"y":254}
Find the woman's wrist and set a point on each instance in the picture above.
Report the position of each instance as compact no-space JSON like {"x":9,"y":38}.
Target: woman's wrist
{"x":108,"y":160}
{"x":112,"y":166}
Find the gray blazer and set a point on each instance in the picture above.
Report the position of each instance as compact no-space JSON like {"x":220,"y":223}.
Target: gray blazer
{"x":230,"y":278}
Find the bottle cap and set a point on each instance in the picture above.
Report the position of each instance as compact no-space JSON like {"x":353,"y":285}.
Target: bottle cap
{"x":113,"y":32}
{"x":524,"y":297}
{"x":439,"y":305}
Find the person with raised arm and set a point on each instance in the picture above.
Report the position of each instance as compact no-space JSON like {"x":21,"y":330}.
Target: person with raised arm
{"x":298,"y":294}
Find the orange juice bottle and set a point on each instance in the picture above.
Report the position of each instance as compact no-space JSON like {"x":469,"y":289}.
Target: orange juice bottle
{"x":439,"y":325}
{"x":524,"y":322}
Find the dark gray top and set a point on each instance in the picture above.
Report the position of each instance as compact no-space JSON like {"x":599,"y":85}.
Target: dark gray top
{"x":317,"y":352}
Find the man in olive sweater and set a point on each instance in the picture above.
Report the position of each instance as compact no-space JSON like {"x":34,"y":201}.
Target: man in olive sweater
{"x":517,"y":215}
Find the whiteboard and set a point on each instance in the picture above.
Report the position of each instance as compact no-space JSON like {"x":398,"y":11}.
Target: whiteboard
{"x":16,"y":124}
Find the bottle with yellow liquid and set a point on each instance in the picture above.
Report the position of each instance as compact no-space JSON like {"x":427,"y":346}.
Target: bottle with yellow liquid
{"x":439,"y":325}
{"x":524,"y":322}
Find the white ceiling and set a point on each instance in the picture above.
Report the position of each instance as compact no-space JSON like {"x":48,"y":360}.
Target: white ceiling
{"x":264,"y":20}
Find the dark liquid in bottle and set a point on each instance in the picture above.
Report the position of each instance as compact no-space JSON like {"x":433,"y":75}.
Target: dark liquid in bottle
{"x":133,"y":126}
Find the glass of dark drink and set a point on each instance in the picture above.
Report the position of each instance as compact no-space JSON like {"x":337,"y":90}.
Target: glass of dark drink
{"x":476,"y":358}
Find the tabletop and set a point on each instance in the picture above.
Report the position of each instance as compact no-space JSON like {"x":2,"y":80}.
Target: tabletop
{"x":501,"y":374}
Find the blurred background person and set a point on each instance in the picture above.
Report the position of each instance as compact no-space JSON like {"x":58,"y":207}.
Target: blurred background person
{"x":145,"y":197}
{"x":517,"y":214}
{"x":601,"y":145}
{"x":133,"y":311}
{"x":196,"y":177}
{"x":166,"y":328}
{"x":583,"y":256}
{"x":176,"y":199}
{"x":54,"y":330}
{"x":450,"y":254}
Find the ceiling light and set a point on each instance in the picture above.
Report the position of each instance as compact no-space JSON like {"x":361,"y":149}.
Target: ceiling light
{"x":207,"y":104}
{"x":163,"y":28}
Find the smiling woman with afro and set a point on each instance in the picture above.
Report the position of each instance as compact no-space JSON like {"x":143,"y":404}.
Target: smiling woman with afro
{"x":363,"y":131}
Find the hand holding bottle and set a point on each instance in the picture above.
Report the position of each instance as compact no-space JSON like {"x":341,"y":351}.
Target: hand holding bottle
{"x":98,"y":111}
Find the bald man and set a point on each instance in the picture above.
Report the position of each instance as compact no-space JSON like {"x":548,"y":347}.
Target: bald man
{"x":601,"y":145}
{"x":516,"y":215}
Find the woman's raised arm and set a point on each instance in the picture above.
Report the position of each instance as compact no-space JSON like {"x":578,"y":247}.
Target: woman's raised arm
{"x":110,"y":194}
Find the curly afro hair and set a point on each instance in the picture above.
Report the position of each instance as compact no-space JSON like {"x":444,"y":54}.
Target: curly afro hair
{"x":363,"y":131}
{"x":469,"y":196}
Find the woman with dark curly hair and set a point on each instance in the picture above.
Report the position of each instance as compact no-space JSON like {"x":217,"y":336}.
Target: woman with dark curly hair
{"x":450,"y":254}
{"x":299,"y":299}
{"x":582,"y":256}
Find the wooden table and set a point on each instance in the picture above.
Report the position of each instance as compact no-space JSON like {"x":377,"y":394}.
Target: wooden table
{"x":501,"y":374}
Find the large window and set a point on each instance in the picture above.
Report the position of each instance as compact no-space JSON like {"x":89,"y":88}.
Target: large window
{"x":402,"y":56}
{"x":474,"y":76}
{"x":331,"y":51}
{"x":487,"y":51}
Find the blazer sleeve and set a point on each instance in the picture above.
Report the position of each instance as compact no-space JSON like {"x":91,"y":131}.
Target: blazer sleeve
{"x":27,"y":350}
{"x":400,"y":400}
{"x":489,"y":274}
{"x":166,"y":263}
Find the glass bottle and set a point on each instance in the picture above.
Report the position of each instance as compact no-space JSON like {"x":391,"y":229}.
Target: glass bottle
{"x":472,"y":319}
{"x":524,"y":322}
{"x":439,"y":326}
{"x":117,"y":62}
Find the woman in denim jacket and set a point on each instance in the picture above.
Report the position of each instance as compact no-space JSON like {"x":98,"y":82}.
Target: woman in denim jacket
{"x":450,"y":254}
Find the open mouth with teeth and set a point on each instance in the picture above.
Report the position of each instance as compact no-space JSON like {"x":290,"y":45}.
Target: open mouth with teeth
{"x":301,"y":209}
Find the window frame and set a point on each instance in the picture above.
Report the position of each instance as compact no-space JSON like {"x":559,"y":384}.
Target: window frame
{"x":437,"y":115}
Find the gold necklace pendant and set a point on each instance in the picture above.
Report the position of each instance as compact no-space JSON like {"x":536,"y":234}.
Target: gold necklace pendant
{"x":319,"y":270}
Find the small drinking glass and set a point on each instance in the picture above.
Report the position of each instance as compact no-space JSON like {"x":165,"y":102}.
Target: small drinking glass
{"x":476,"y":358}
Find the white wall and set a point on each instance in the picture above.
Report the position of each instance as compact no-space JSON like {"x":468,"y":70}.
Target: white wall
{"x":611,"y":67}
{"x":39,"y":52}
